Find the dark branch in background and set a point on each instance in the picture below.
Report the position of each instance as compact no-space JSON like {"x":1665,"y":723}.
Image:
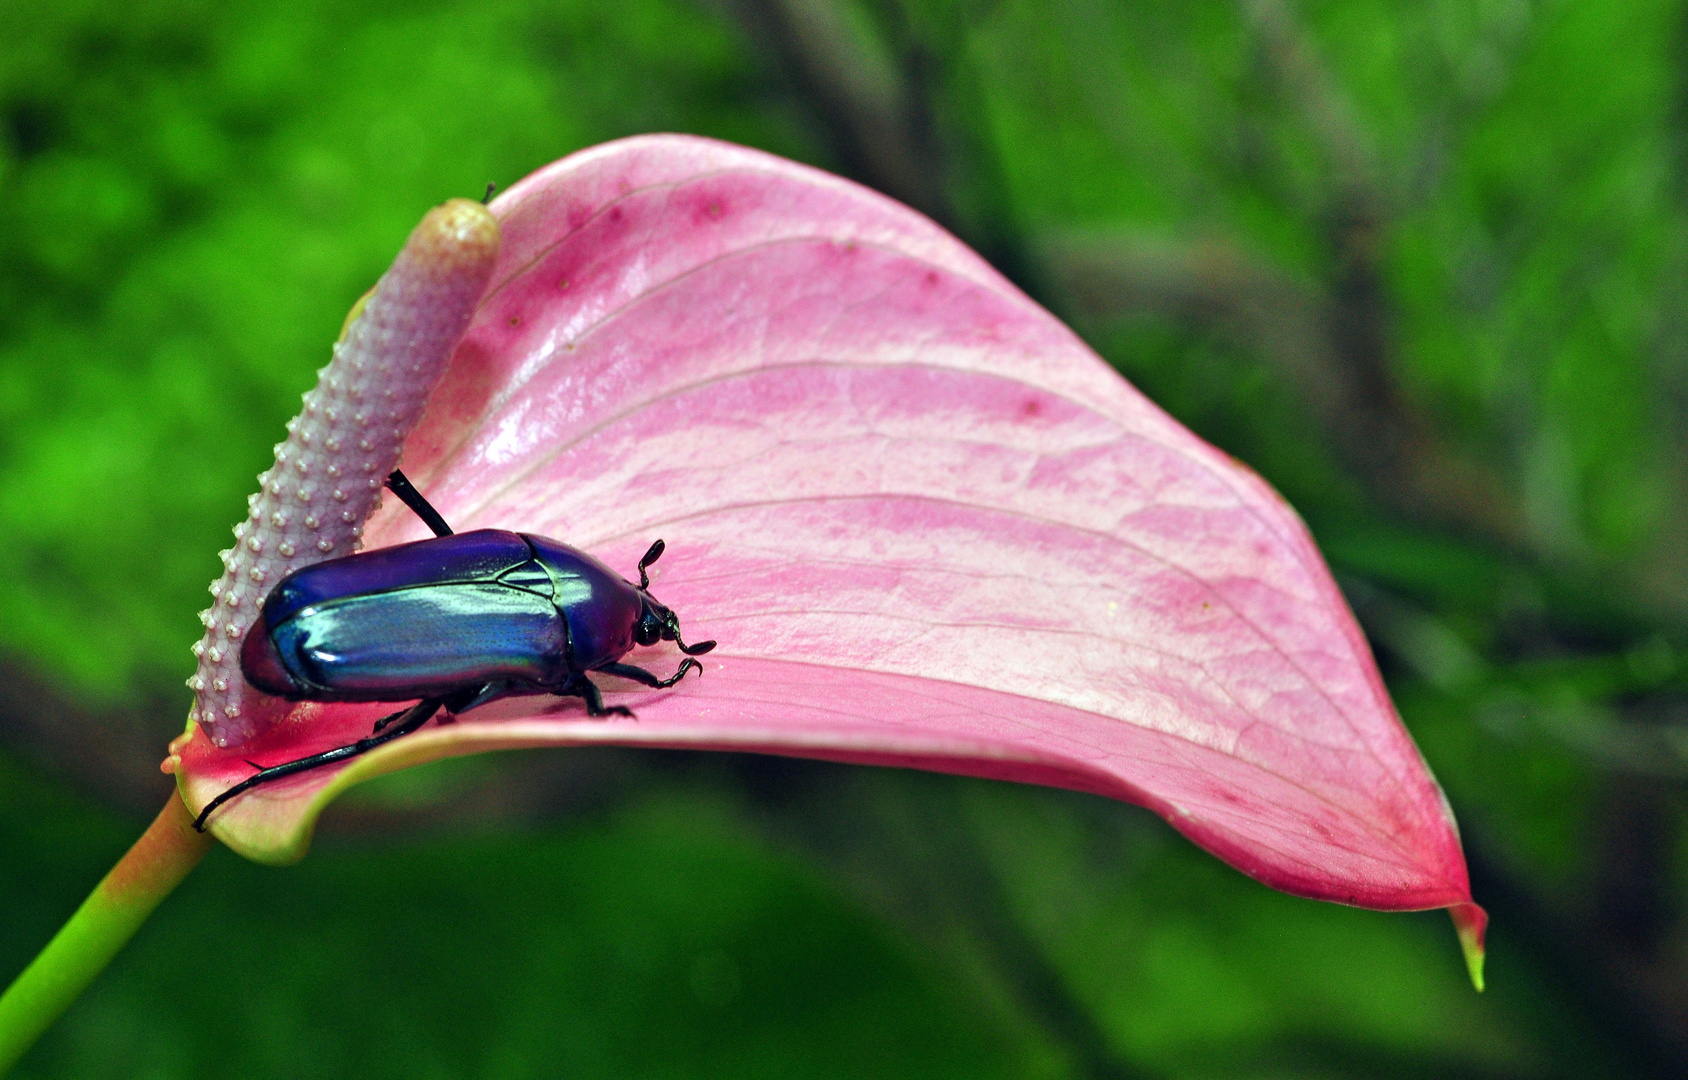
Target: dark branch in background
{"x":875,"y":101}
{"x":1315,"y":340}
{"x":866,"y":98}
{"x":1330,"y":341}
{"x":1377,"y":430}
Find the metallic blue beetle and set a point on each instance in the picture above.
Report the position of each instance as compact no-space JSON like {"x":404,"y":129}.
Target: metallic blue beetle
{"x":458,"y":621}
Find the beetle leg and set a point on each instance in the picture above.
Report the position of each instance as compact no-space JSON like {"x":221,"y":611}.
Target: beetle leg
{"x":640,"y":675}
{"x":392,"y":727}
{"x":464,"y":700}
{"x":400,"y":485}
{"x":581,"y":686}
{"x":383,"y":722}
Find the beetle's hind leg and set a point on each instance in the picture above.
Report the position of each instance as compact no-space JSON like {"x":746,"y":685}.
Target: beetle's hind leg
{"x":386,"y":730}
{"x":385,"y":722}
{"x":581,"y":686}
{"x":399,"y":484}
{"x":640,"y":675}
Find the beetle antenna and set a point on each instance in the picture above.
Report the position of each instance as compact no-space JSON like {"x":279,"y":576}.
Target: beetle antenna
{"x":651,"y":556}
{"x":690,"y":650}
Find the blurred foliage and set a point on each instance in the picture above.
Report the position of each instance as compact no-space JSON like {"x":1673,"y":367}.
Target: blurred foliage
{"x":1421,"y":264}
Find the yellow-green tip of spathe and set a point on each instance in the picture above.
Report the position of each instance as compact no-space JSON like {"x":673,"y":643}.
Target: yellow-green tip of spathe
{"x":1471,"y":923}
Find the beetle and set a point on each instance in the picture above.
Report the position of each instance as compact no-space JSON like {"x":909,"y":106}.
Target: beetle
{"x":458,"y":621}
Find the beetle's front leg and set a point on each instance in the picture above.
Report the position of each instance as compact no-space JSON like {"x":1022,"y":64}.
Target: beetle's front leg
{"x":583,"y":687}
{"x":640,"y":675}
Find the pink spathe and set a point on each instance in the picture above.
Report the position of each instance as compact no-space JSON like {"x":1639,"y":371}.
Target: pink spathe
{"x":927,"y":525}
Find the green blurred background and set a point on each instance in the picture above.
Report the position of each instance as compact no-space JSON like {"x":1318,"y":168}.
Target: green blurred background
{"x":1421,"y":263}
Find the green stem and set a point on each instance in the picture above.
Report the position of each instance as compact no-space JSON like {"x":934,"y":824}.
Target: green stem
{"x":82,"y":948}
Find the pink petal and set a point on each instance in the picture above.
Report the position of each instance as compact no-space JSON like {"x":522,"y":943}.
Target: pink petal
{"x":928,"y":526}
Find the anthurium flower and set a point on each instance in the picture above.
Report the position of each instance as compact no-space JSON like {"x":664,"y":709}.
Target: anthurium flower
{"x":927,"y":525}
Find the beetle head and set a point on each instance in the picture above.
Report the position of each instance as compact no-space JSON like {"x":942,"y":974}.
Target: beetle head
{"x":648,"y":630}
{"x":657,"y":623}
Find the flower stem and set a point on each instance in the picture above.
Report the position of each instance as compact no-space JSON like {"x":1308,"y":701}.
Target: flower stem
{"x":116,"y":908}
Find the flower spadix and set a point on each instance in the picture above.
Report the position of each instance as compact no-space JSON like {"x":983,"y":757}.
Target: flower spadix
{"x":312,"y":503}
{"x":927,"y":525}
